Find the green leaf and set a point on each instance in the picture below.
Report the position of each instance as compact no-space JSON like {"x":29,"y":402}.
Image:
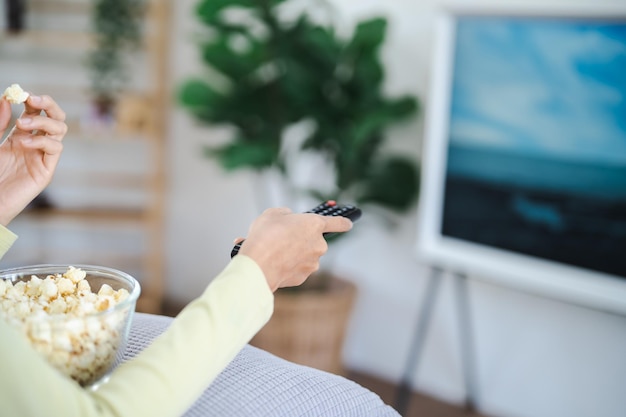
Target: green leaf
{"x":403,"y":107}
{"x":392,"y":183}
{"x":234,"y":65}
{"x":362,"y":54}
{"x":368,"y":73}
{"x":240,"y":154}
{"x":321,"y":45}
{"x":200,"y":99}
{"x":383,"y":115}
{"x":208,"y":10}
{"x":368,"y":36}
{"x":370,"y":124}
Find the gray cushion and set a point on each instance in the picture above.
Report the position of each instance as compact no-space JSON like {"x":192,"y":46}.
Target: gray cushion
{"x":257,"y":383}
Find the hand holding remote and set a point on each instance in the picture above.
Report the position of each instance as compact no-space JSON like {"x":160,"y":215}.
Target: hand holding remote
{"x":328,"y":208}
{"x":288,"y":246}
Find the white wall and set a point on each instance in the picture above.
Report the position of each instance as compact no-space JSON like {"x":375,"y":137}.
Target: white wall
{"x":535,"y":357}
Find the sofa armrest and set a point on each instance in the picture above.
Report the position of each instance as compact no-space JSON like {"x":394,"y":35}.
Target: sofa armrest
{"x":257,"y":383}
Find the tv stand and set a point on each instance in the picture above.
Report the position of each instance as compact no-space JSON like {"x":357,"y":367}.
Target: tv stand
{"x":420,"y":333}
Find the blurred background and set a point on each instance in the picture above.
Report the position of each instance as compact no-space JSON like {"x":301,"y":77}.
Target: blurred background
{"x":136,"y":190}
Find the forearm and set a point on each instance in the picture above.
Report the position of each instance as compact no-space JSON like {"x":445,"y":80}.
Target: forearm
{"x":203,"y":339}
{"x":166,"y":378}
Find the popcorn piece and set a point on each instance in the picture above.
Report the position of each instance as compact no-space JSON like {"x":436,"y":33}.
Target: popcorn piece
{"x":22,"y":310}
{"x":49,"y":289}
{"x":65,"y":286}
{"x":105,"y":302}
{"x":75,"y":274}
{"x":121,"y":294}
{"x":19,"y":288}
{"x":58,"y":306}
{"x":33,"y":287}
{"x":83,"y":287}
{"x":106,"y":290}
{"x":14,"y":94}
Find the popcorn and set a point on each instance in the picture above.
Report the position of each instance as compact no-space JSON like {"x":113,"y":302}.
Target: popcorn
{"x":33,"y":287}
{"x":14,"y":94}
{"x":58,"y":306}
{"x":106,"y":290}
{"x":48,"y":288}
{"x":57,"y":315}
{"x":65,"y":286}
{"x":75,"y":274}
{"x":83,"y":287}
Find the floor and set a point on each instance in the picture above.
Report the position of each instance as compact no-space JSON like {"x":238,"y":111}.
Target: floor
{"x":419,"y":405}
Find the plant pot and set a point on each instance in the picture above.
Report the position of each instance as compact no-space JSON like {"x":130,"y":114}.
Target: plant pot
{"x":308,"y":326}
{"x":101,"y":114}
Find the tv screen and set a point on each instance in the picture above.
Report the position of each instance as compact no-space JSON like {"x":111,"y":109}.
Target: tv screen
{"x":525,"y":152}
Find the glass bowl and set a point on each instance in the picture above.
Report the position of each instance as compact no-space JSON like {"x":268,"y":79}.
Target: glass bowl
{"x":85,"y":345}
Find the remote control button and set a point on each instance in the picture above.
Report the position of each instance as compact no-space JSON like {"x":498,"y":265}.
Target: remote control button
{"x":331,"y":203}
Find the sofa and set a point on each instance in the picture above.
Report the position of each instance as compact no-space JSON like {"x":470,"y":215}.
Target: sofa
{"x":257,"y":383}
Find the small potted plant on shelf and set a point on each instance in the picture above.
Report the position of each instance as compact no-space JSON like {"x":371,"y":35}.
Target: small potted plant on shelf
{"x":269,"y":75}
{"x":117,"y":30}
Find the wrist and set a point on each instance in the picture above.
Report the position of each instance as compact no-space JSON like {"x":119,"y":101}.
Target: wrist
{"x":7,"y":214}
{"x":5,"y":218}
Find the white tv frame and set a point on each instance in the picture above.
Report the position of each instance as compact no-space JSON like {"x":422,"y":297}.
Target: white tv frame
{"x":531,"y":274}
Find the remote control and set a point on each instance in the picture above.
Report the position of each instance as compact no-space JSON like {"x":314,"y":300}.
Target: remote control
{"x":328,"y":208}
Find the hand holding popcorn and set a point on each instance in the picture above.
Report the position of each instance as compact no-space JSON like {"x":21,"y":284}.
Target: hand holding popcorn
{"x":31,"y":151}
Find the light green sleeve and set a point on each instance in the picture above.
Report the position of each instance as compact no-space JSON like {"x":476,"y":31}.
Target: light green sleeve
{"x":7,"y":238}
{"x":163,"y":380}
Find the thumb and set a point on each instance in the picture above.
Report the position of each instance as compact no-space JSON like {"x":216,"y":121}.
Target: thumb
{"x":5,"y":115}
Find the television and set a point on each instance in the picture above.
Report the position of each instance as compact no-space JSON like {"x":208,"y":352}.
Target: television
{"x":524,"y":153}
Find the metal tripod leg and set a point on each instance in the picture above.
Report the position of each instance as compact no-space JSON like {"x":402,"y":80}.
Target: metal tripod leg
{"x":466,"y":340}
{"x":403,"y":393}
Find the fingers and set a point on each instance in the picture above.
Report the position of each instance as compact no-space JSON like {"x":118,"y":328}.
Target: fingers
{"x":51,"y":127}
{"x":45,"y":144}
{"x":50,"y":151}
{"x":35,"y":104}
{"x":337,"y":224}
{"x":328,"y":224}
{"x":31,"y":120}
{"x":52,"y":124}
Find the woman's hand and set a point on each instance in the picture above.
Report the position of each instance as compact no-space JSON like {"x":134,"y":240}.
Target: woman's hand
{"x":30,"y":153}
{"x":288,"y":246}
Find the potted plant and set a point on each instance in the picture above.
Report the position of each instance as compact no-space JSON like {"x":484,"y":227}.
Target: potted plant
{"x":117,"y":29}
{"x":269,"y":74}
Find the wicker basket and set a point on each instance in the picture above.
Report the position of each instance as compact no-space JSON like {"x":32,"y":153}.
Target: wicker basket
{"x":309,"y":327}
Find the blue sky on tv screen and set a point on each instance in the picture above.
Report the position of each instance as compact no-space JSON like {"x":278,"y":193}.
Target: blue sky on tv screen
{"x":541,"y":88}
